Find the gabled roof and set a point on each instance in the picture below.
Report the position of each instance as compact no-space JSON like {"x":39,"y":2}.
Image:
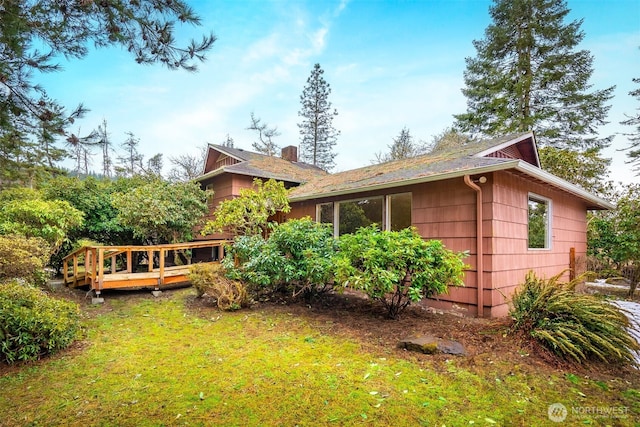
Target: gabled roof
{"x":514,"y":152}
{"x":257,"y":165}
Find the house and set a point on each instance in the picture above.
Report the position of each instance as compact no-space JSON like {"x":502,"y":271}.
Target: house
{"x":227,"y":170}
{"x":527,"y":218}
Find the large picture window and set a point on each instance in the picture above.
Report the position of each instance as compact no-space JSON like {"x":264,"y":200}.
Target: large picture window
{"x":359,"y":213}
{"x":392,"y":212}
{"x":539,"y":222}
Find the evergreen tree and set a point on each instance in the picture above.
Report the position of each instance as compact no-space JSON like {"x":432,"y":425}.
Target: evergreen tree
{"x":318,"y":136}
{"x":228,"y":142}
{"x":403,"y":147}
{"x":265,"y":144}
{"x":34,"y":33}
{"x":104,"y":142}
{"x":528,"y":75}
{"x":634,"y":137}
{"x":131,"y":161}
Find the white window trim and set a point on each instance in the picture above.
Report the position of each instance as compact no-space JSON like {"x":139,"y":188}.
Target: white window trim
{"x":549,"y":225}
{"x":386,"y":209}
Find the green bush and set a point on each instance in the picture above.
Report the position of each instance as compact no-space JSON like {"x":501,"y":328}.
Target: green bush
{"x":23,"y":258}
{"x":209,"y":279}
{"x":297,"y":257}
{"x":573,"y":326}
{"x":396,"y":267}
{"x":33,"y":324}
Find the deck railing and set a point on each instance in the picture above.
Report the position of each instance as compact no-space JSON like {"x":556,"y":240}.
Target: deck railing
{"x":109,"y":267}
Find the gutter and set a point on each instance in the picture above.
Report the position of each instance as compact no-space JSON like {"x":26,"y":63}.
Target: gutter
{"x":479,"y":248}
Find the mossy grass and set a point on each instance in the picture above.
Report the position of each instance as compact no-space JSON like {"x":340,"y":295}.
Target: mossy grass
{"x":158,"y":362}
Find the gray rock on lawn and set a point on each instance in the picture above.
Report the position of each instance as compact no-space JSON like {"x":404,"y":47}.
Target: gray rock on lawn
{"x":429,"y":344}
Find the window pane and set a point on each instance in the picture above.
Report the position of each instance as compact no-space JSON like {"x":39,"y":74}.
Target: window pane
{"x":538,"y":223}
{"x":325,"y":213}
{"x":360,"y":213}
{"x":400,"y":211}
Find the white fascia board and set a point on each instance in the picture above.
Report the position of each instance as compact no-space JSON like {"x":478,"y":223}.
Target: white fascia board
{"x":542,"y":175}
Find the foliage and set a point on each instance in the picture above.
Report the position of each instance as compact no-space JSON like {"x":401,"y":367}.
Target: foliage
{"x":317,"y":134}
{"x":33,"y":324}
{"x":396,"y":267}
{"x":265,"y":144}
{"x":587,"y":169}
{"x":634,"y":137}
{"x":249,"y":213}
{"x":50,"y":220}
{"x":527,"y":74}
{"x":614,"y":236}
{"x":23,"y":258}
{"x":307,"y":249}
{"x":187,"y":166}
{"x":163,"y":357}
{"x":297,"y":257}
{"x":161,"y":212}
{"x":572,"y":325}
{"x":403,"y":147}
{"x":209,"y":279}
{"x":449,"y":139}
{"x":34,"y":33}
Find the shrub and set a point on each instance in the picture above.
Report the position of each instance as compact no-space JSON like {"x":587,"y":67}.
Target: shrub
{"x":209,"y":279}
{"x":296,"y":257}
{"x":396,"y":267}
{"x":23,"y":258}
{"x":308,"y":249}
{"x":33,"y":324}
{"x":573,"y":326}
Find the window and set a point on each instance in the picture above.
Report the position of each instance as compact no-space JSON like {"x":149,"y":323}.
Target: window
{"x":359,"y":213}
{"x":399,"y":211}
{"x":324,"y":215}
{"x":539,"y":222}
{"x":391,"y":212}
{"x":209,"y":188}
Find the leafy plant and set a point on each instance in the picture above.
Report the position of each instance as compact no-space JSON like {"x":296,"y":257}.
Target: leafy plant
{"x":50,"y":220}
{"x":33,"y":324}
{"x":396,"y":267}
{"x":23,"y":258}
{"x":248,"y":214}
{"x":297,"y":256}
{"x":209,"y":279}
{"x":308,"y":249}
{"x":161,"y":212}
{"x":573,"y":326}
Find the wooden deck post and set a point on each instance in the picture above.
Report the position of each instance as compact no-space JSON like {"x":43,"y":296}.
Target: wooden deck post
{"x":100,"y":270}
{"x":129,"y":266}
{"x":75,"y":269}
{"x":150,"y":256}
{"x":572,"y":263}
{"x":162,"y":255}
{"x":65,"y":270}
{"x":113,"y":264}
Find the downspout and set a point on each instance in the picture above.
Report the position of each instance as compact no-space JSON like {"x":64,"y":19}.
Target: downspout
{"x":479,"y":249}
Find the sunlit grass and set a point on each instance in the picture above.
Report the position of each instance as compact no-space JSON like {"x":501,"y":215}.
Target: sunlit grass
{"x":154,"y":362}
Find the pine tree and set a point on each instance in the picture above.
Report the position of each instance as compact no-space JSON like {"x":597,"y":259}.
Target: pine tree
{"x":403,"y":147}
{"x":528,"y":75}
{"x":34,"y":33}
{"x":104,"y":142}
{"x":265,"y":144}
{"x":317,"y":134}
{"x":131,"y":161}
{"x":634,"y":138}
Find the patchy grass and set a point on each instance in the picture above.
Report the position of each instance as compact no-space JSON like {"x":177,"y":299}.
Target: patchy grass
{"x":153,"y":362}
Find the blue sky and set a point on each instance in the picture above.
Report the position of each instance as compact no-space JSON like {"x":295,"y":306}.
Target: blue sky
{"x":390,"y":64}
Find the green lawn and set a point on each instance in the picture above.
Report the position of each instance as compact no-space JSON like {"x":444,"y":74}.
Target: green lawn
{"x":147,"y":361}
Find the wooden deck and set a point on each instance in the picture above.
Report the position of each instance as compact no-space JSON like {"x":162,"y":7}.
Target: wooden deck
{"x":132,"y":267}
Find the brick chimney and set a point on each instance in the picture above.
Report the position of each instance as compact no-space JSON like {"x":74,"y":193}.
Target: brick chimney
{"x":290,"y":153}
